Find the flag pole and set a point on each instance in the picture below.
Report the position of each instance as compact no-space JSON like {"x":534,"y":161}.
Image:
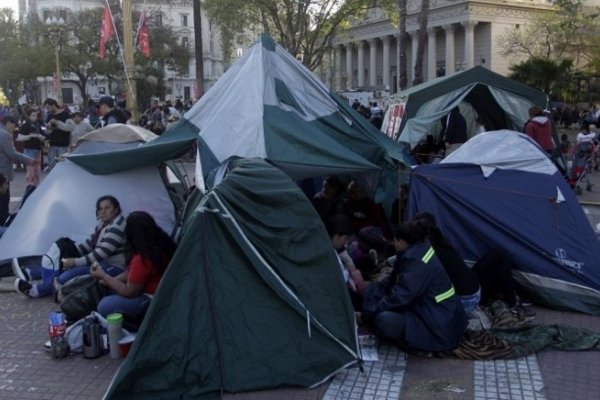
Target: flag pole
{"x":128,"y":60}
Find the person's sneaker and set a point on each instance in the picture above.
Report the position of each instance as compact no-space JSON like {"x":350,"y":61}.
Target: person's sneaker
{"x":20,"y":272}
{"x":23,"y":286}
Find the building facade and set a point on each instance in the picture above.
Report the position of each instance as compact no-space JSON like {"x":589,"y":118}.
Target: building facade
{"x":177,"y":14}
{"x":460,"y":35}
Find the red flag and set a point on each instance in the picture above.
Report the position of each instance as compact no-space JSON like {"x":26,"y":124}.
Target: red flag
{"x":106,"y":30}
{"x":143,"y":39}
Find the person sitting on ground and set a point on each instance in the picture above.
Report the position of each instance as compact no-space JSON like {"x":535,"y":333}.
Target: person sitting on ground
{"x":371,"y":229}
{"x":328,"y":201}
{"x":105,"y":246}
{"x":416,"y":307}
{"x":149,"y":251}
{"x":462,"y":277}
{"x":488,"y":280}
{"x":339,"y":228}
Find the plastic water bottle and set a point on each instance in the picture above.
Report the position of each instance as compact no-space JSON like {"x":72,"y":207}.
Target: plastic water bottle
{"x":56,"y":329}
{"x":115,"y":324}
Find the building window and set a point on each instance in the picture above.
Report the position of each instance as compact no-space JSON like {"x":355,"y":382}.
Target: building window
{"x":158,"y":19}
{"x":62,"y":14}
{"x":184,"y":20}
{"x":186,"y":93}
{"x":47,"y":15}
{"x":185,"y":42}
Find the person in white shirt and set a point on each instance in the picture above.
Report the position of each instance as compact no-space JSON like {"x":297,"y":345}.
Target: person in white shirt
{"x":585,"y":134}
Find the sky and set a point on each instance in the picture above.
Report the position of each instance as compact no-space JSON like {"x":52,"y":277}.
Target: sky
{"x":14,"y":4}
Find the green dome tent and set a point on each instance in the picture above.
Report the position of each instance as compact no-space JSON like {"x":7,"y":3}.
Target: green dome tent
{"x":254,"y":298}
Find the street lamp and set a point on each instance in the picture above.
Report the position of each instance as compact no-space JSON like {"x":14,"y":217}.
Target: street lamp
{"x":55,"y":35}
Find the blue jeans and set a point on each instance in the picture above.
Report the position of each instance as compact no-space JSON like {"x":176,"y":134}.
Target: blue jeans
{"x":46,"y":287}
{"x":470,"y":302}
{"x":114,"y":303}
{"x":53,"y":153}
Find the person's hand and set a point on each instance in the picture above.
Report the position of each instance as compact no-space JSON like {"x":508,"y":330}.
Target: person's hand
{"x":68,"y":262}
{"x":96,"y":270}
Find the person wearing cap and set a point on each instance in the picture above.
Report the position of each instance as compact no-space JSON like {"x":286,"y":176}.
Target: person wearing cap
{"x":8,"y":156}
{"x":59,"y":125}
{"x":416,"y":307}
{"x":109,"y":114}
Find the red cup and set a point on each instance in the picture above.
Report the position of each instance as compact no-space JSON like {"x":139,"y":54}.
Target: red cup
{"x":125,"y":345}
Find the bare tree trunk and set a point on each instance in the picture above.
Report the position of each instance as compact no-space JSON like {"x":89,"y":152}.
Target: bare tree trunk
{"x":198,"y":51}
{"x":402,"y":38}
{"x":423,"y":20}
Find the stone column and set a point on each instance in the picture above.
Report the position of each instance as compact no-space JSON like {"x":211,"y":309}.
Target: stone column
{"x":361,"y":63}
{"x":386,"y":62}
{"x":469,"y":42}
{"x":449,"y":49}
{"x":431,"y":54}
{"x":372,"y":62}
{"x":349,"y":74}
{"x":413,"y":55}
{"x":338,"y":67}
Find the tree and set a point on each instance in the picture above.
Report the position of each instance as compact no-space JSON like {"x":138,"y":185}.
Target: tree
{"x":552,"y":77}
{"x":19,"y":50}
{"x":422,"y":39}
{"x":402,"y":37}
{"x":569,"y":31}
{"x":78,"y":46}
{"x":198,"y":46}
{"x":305,"y":28}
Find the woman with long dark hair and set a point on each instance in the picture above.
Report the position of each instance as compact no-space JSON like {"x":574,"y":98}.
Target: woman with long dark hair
{"x":149,"y":251}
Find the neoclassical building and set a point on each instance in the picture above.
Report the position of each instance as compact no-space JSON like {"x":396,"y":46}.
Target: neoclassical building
{"x":460,"y":34}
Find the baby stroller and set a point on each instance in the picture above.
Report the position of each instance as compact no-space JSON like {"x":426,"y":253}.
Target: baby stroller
{"x":582,"y":163}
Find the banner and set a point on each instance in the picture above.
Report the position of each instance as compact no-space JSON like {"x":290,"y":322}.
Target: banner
{"x":143,"y":38}
{"x":106,"y":30}
{"x":393,"y":119}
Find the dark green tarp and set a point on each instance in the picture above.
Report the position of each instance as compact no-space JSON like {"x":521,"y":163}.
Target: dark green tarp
{"x":170,"y":145}
{"x":254,"y":298}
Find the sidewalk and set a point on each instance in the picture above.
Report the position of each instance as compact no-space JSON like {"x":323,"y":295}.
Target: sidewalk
{"x":28,"y":372}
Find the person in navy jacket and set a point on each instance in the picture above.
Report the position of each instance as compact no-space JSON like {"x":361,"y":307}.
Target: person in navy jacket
{"x":416,"y":307}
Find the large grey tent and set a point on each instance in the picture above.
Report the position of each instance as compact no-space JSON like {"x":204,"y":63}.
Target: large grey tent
{"x":254,"y":298}
{"x":268,"y":105}
{"x":501,"y":102}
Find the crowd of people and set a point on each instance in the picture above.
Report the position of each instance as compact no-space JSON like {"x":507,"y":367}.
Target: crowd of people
{"x":406,"y":280}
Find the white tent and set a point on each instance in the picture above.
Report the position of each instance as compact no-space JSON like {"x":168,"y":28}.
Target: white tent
{"x":64,"y":203}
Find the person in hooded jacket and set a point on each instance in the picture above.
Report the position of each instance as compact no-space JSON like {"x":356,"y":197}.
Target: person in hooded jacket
{"x":539,"y":128}
{"x":416,"y":307}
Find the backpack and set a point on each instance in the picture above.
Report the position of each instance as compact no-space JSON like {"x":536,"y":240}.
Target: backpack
{"x":80,"y":296}
{"x":62,"y":248}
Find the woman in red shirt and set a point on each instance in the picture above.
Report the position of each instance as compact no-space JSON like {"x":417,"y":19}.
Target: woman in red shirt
{"x":149,"y":251}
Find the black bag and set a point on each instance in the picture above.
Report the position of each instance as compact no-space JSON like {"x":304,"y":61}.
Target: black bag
{"x":62,"y":248}
{"x":80,"y":296}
